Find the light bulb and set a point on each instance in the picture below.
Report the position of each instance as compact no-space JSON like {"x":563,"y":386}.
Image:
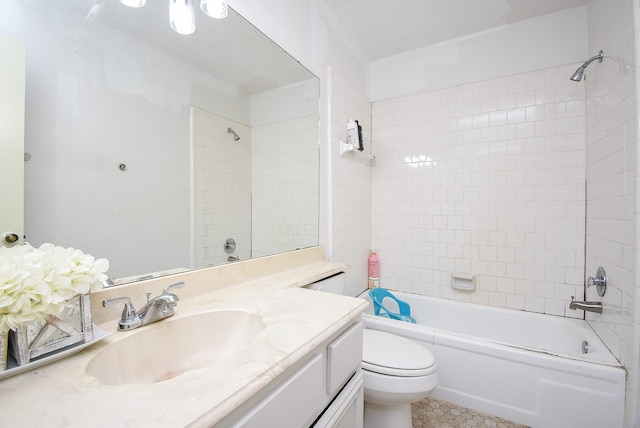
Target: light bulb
{"x":214,"y":8}
{"x":133,"y":3}
{"x":182,"y":17}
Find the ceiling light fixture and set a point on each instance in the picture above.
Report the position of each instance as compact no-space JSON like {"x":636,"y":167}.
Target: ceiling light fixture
{"x":181,"y":13}
{"x":182,"y":18}
{"x":215,"y":8}
{"x":133,"y":3}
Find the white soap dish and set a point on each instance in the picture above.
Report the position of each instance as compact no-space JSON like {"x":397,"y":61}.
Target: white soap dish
{"x":463,"y":281}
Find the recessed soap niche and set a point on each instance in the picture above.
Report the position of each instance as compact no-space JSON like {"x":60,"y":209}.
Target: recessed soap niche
{"x":463,"y":281}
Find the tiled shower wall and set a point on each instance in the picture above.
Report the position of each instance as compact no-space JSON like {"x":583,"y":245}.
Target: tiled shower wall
{"x":484,"y":179}
{"x":350,"y":185}
{"x":261,"y":190}
{"x":221,"y":188}
{"x":611,"y":159}
{"x":284,"y":185}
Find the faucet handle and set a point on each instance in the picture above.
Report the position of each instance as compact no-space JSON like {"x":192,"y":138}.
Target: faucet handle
{"x":172,"y":286}
{"x":129,"y":318}
{"x":165,"y":292}
{"x":128,"y":312}
{"x":600,"y":281}
{"x":170,"y":299}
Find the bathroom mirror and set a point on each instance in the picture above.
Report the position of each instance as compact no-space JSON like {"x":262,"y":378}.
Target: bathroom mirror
{"x":154,"y":149}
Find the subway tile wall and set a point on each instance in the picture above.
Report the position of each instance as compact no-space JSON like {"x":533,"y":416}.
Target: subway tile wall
{"x":485,"y":179}
{"x":285,"y":185}
{"x":261,"y":190}
{"x":350,"y":184}
{"x":221,"y":188}
{"x":611,"y":172}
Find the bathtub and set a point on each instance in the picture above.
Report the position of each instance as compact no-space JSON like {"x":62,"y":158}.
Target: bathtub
{"x":525,"y":367}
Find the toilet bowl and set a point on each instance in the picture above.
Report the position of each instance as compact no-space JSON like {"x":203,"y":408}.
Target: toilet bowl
{"x":397,"y":372}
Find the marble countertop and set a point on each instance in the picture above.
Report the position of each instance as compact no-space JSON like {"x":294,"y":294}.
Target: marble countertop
{"x":296,"y":320}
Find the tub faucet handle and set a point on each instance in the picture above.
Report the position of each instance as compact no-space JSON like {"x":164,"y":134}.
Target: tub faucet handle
{"x":600,"y":281}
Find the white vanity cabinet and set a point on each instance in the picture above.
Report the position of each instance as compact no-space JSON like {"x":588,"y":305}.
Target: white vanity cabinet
{"x":322,"y":390}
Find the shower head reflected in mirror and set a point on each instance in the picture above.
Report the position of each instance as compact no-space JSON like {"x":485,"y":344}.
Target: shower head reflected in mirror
{"x":230,"y":131}
{"x":577,"y":76}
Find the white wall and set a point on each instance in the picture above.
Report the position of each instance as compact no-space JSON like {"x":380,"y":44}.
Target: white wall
{"x":281,"y":104}
{"x":85,"y":118}
{"x":611,"y":161}
{"x":351,"y":185}
{"x":310,"y":33}
{"x":484,"y":179}
{"x":534,"y":44}
{"x":481,"y":167}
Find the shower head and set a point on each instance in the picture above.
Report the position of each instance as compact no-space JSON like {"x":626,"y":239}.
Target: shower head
{"x":230,"y":131}
{"x":577,"y":76}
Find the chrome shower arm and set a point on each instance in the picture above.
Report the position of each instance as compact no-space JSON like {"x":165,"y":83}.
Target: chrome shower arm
{"x":593,"y":58}
{"x":577,"y":76}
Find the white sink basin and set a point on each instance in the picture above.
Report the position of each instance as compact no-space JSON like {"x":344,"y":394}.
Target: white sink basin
{"x":173,"y":346}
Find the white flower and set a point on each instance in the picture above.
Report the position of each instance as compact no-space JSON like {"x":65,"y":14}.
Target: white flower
{"x":35,"y":282}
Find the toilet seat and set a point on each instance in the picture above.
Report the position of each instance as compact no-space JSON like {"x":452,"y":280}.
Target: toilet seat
{"x":393,"y":355}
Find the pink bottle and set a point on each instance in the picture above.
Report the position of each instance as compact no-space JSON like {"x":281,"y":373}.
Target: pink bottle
{"x":374,"y":270}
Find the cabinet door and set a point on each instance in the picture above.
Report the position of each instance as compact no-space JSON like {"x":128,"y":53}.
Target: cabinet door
{"x":294,"y":404}
{"x":344,"y":357}
{"x":347,"y":410}
{"x":353,"y":415}
{"x":12,"y":95}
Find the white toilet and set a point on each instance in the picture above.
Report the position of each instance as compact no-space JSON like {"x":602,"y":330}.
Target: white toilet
{"x":397,"y":372}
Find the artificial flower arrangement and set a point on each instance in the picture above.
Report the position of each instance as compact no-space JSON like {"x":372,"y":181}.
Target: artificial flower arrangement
{"x":37,"y":283}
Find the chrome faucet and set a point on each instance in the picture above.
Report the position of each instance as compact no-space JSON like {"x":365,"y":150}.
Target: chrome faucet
{"x":155,"y":309}
{"x":585,"y":306}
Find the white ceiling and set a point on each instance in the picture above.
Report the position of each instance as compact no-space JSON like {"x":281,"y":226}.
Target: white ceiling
{"x":386,"y":28}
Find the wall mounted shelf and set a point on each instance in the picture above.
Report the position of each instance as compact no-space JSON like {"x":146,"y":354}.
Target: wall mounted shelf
{"x":346,"y":148}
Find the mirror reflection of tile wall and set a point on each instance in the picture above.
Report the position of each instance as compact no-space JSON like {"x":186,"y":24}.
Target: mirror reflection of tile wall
{"x":284,"y":187}
{"x":221,"y":188}
{"x":267,"y":180}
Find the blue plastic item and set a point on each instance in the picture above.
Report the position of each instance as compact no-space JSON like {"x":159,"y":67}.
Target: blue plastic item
{"x":379,"y":294}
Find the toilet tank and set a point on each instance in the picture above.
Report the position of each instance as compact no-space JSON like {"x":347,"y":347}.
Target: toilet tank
{"x":333,"y":284}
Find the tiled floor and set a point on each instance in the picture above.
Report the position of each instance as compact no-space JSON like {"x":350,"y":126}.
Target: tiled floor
{"x":432,"y":413}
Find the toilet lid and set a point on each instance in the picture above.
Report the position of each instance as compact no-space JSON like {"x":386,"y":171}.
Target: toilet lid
{"x":387,"y":353}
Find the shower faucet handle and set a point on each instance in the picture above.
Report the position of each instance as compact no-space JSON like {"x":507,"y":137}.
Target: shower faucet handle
{"x":600,"y":281}
{"x":596,"y":281}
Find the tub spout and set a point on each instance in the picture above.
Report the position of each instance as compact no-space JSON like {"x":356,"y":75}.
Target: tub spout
{"x":586,"y":306}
